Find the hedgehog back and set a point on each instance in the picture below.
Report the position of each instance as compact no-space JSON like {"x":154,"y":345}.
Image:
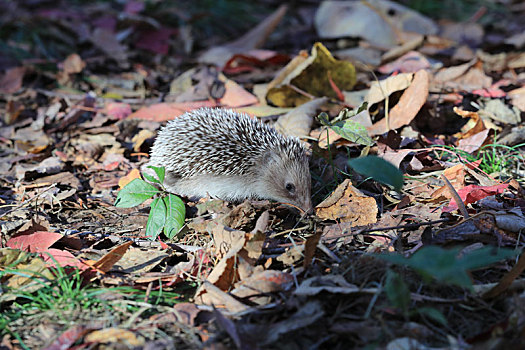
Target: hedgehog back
{"x":219,"y":141}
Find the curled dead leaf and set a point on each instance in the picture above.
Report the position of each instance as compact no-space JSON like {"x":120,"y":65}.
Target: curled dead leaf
{"x":348,"y":204}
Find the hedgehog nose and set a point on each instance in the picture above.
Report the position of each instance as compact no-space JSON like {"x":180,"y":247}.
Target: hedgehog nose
{"x":308,"y":208}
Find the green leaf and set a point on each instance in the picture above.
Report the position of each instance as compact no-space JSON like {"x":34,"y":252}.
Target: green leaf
{"x":433,"y":313}
{"x":160,"y":171}
{"x":379,"y":170}
{"x":156,"y":219}
{"x":150,"y":178}
{"x":134,"y":193}
{"x":397,"y":291}
{"x":175,"y":214}
{"x":347,"y":113}
{"x":324,"y":119}
{"x":445,"y":266}
{"x":353,"y":131}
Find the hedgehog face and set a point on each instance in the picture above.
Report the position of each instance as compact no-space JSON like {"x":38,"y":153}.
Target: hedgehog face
{"x":288,"y":181}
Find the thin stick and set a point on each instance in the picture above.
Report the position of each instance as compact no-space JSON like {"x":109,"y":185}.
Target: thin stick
{"x":456,"y":197}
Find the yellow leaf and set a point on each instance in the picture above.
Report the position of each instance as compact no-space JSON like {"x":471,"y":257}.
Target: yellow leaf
{"x":311,"y":78}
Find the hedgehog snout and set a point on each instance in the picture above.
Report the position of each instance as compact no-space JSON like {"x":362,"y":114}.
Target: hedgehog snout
{"x":307,"y":206}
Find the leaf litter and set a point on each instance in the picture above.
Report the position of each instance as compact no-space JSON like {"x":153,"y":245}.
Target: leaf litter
{"x":393,"y":257}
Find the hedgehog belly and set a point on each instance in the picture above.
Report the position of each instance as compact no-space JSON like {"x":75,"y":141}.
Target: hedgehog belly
{"x":228,"y":188}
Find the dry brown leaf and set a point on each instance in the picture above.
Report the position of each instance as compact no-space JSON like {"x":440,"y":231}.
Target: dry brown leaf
{"x":105,"y":263}
{"x":348,"y":204}
{"x":298,"y":122}
{"x":237,"y":96}
{"x":224,"y":274}
{"x":406,"y":47}
{"x":263,"y":282}
{"x":139,"y":138}
{"x":474,"y":142}
{"x":11,"y":81}
{"x":140,"y":261}
{"x":73,"y":64}
{"x":451,"y":73}
{"x":209,"y":294}
{"x":412,"y":61}
{"x":292,"y":255}
{"x":318,"y":75}
{"x":115,"y":336}
{"x":517,"y":97}
{"x":310,"y":246}
{"x":408,"y":106}
{"x":456,"y":176}
{"x":473,"y":126}
{"x":380,"y":90}
{"x":132,"y":175}
{"x":224,"y":238}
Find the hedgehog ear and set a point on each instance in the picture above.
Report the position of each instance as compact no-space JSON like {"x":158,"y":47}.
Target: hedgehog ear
{"x":269,"y":157}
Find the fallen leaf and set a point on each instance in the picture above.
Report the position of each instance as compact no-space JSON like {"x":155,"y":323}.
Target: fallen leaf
{"x":61,"y":257}
{"x":72,"y":64}
{"x":474,"y":142}
{"x":298,"y":122}
{"x":410,"y":62}
{"x":332,"y":18}
{"x":140,"y":261}
{"x":115,"y":336}
{"x":313,"y":77}
{"x":35,"y":242}
{"x":107,"y":42}
{"x":263,"y":282}
{"x":473,"y":193}
{"x":209,"y":294}
{"x":310,"y":246}
{"x":348,"y":204}
{"x":167,"y":111}
{"x":117,"y":110}
{"x":497,"y":110}
{"x":11,"y":80}
{"x":105,"y":263}
{"x":408,"y":106}
{"x":380,"y":90}
{"x":155,"y":40}
{"x":132,"y":175}
{"x":236,"y":95}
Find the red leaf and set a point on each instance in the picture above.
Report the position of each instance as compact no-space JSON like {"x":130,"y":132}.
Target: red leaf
{"x":36,"y":242}
{"x":167,"y":111}
{"x":473,"y":193}
{"x":336,"y":89}
{"x":69,"y":337}
{"x":156,"y":41}
{"x":118,"y":110}
{"x":62,"y":257}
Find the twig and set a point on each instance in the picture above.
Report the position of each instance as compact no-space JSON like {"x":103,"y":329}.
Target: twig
{"x":456,"y":197}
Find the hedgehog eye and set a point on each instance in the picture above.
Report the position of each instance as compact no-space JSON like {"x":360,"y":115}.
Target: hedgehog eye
{"x":290,"y":187}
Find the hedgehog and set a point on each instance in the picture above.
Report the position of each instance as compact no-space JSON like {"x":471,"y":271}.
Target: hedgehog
{"x":228,"y":155}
